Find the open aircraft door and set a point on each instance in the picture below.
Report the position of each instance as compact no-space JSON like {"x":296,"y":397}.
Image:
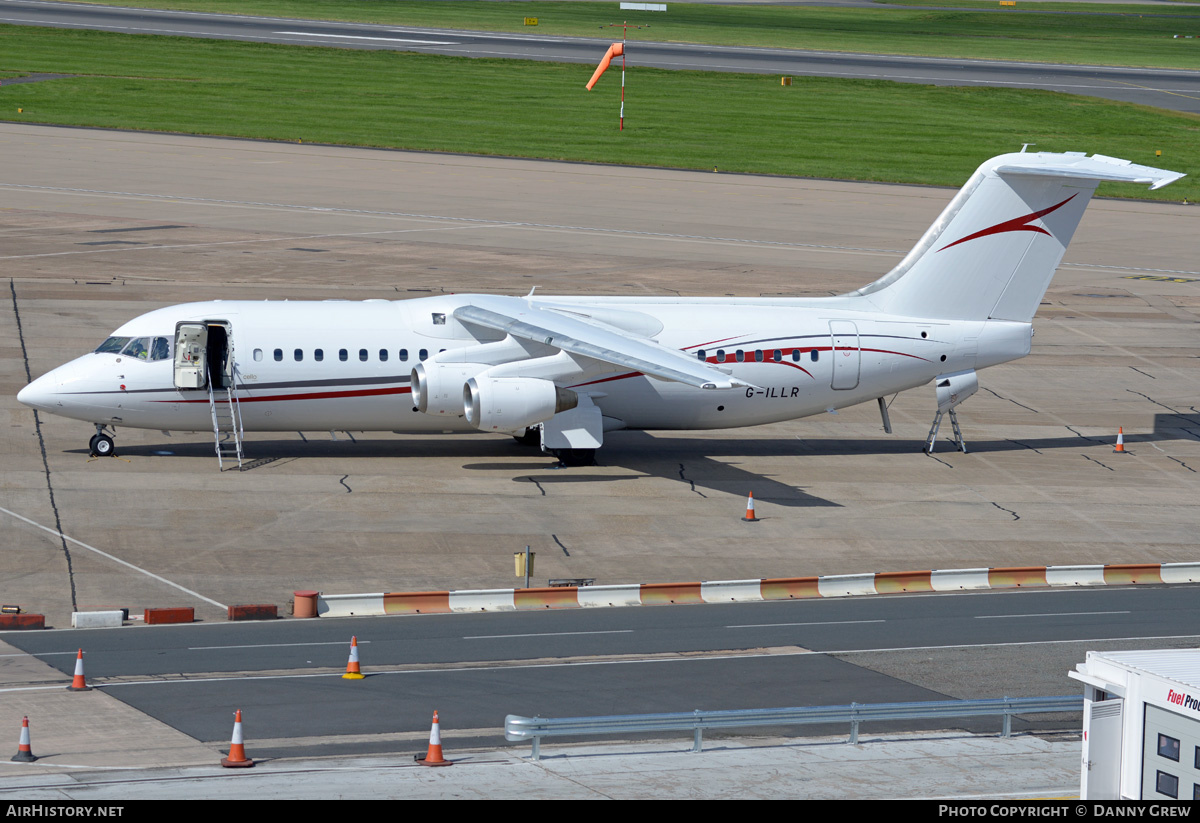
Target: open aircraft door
{"x":846,"y":354}
{"x":191,"y":353}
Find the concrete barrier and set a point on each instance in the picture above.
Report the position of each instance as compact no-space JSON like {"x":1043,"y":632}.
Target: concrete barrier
{"x":726,"y":591}
{"x":605,"y":596}
{"x":950,"y":580}
{"x":1075,"y":575}
{"x":349,"y":605}
{"x":483,"y":600}
{"x":846,"y":585}
{"x":173,"y":615}
{"x":1180,"y":572}
{"x":731,"y":591}
{"x":10,"y":622}
{"x":97,"y":620}
{"x":266,"y":611}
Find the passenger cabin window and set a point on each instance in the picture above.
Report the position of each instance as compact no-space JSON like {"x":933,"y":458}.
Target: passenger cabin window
{"x":318,"y":355}
{"x":258,"y":354}
{"x":383,"y":354}
{"x":814,"y":355}
{"x":298,"y":354}
{"x":758,"y":355}
{"x":362,"y":355}
{"x":720,"y":355}
{"x":343,"y":355}
{"x":278,"y":355}
{"x":423,"y":354}
{"x":777,"y":356}
{"x":795,"y":355}
{"x":404,"y":355}
{"x":700,"y":355}
{"x":741,"y":356}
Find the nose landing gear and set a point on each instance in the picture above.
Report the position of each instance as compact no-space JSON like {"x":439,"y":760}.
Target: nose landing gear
{"x":101,"y":444}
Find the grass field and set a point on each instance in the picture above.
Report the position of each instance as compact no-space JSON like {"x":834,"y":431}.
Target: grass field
{"x":1139,"y":38}
{"x":817,"y":127}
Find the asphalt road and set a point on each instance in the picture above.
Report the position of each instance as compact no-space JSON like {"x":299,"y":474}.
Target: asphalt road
{"x":475,"y":669}
{"x":1171,"y":89}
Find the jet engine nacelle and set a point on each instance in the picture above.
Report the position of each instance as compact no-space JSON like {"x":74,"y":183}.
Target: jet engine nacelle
{"x":511,"y":404}
{"x":437,"y":388}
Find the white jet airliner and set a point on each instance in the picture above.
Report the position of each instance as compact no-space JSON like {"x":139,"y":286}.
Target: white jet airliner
{"x":561,"y":371}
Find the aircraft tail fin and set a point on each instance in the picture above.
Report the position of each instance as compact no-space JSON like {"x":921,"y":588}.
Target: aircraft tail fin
{"x":993,"y":250}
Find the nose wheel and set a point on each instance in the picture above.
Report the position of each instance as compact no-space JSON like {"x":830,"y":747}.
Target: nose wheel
{"x":101,"y":445}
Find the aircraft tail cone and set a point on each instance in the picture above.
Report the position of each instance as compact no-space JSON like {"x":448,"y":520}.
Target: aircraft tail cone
{"x":352,"y":670}
{"x":750,"y":518}
{"x":237,"y":750}
{"x":1120,"y":447}
{"x":79,"y":682}
{"x":433,"y":757}
{"x":24,"y":751}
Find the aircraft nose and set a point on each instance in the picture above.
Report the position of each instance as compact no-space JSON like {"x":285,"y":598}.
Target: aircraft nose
{"x":40,"y":393}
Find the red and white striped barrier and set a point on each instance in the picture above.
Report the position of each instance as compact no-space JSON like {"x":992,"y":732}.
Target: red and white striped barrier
{"x":733,"y":591}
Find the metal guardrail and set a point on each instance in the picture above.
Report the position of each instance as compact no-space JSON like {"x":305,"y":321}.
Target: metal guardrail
{"x":535,"y":728}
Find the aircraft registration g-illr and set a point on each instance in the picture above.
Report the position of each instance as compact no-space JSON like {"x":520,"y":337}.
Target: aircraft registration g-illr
{"x":562,"y":371}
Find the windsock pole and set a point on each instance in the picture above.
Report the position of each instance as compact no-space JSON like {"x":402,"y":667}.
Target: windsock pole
{"x":613,"y":51}
{"x":623,"y":33}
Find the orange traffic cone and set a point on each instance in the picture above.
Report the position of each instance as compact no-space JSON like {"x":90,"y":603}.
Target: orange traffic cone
{"x":78,"y":683}
{"x":750,"y":518}
{"x":237,"y":751}
{"x":352,"y":672}
{"x":434,"y":756}
{"x":24,"y":752}
{"x":1120,"y":447}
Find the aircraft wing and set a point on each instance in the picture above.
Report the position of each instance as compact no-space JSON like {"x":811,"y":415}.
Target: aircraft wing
{"x":522,"y":318}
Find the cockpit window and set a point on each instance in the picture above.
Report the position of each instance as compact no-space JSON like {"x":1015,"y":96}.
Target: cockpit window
{"x":139,"y":348}
{"x":112,"y":345}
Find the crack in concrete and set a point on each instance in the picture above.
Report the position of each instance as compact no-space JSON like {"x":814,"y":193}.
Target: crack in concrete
{"x":690,"y":483}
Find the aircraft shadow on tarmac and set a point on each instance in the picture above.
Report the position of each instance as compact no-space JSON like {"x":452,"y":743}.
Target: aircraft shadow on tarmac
{"x":693,"y":461}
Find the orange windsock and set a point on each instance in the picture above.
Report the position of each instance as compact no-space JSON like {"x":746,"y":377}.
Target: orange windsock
{"x":615,"y":50}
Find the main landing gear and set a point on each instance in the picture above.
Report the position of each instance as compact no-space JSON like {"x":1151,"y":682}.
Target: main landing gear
{"x":101,"y":444}
{"x":530,"y":437}
{"x":575,"y":457}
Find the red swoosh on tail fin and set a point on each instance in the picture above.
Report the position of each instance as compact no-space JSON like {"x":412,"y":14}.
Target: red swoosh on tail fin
{"x":1016,"y":224}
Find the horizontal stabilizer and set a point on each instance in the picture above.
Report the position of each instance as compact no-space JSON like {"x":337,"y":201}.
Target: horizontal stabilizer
{"x":1097,"y":167}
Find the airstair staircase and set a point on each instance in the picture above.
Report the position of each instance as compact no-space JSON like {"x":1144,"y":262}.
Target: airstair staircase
{"x":227,"y":419}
